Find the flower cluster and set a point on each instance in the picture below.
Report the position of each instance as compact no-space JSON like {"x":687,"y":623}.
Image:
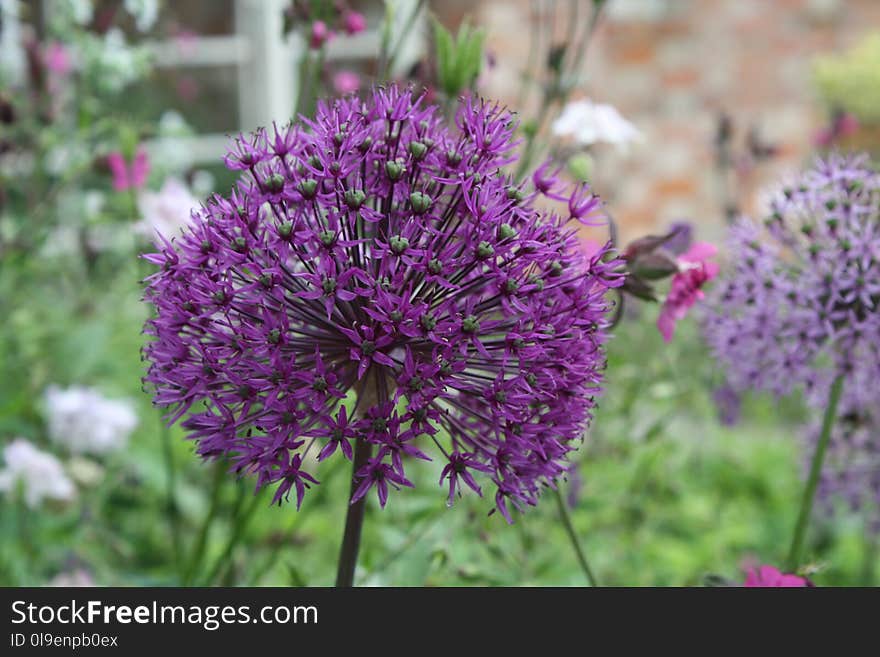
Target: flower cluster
{"x":590,"y":123}
{"x":84,"y":421}
{"x":39,"y":474}
{"x":800,"y":298}
{"x":377,"y":253}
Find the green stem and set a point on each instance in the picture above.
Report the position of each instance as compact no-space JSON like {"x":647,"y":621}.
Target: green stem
{"x":354,"y":521}
{"x":870,"y":559}
{"x":202,"y":540}
{"x":557,"y":91}
{"x":241,"y":522}
{"x":23,"y":525}
{"x":800,"y":531}
{"x":572,"y":536}
{"x":171,"y":506}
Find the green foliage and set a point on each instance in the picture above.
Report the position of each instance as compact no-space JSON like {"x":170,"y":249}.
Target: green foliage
{"x":668,"y":495}
{"x":459,"y":58}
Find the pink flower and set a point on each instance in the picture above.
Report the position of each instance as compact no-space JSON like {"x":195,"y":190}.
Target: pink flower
{"x":57,"y":58}
{"x":346,"y":82}
{"x":126,"y":176}
{"x":187,"y":42}
{"x":321,"y":34}
{"x":693,"y":272}
{"x":768,"y":576}
{"x":353,"y":22}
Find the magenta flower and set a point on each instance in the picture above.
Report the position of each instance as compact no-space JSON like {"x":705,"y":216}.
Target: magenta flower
{"x":57,"y":58}
{"x":129,"y":176}
{"x":319,"y":35}
{"x":378,"y":287}
{"x":770,"y":577}
{"x":353,"y":22}
{"x":346,"y":82}
{"x":842,"y":125}
{"x":694,"y":271}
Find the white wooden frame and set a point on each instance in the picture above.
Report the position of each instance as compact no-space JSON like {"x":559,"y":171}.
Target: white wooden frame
{"x":267,"y":63}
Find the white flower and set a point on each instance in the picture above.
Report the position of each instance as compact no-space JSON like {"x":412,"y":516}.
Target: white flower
{"x":112,"y":62}
{"x":13,"y":62}
{"x":144,"y":12}
{"x":167,"y":211}
{"x":591,"y":123}
{"x":83,"y":420}
{"x":93,"y":203}
{"x":38,"y":473}
{"x":78,"y":577}
{"x":80,"y":11}
{"x":63,"y":157}
{"x":172,"y":124}
{"x":203,"y":183}
{"x":171,"y":146}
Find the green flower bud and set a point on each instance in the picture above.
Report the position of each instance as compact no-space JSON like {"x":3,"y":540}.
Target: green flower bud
{"x":420,"y":202}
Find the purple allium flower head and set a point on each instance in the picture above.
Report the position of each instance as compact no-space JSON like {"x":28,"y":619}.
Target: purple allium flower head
{"x":377,"y":254}
{"x":800,"y":297}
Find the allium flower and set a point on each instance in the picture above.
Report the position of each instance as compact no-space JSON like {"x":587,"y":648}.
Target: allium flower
{"x":129,"y":175}
{"x":353,"y":22}
{"x":770,"y":577}
{"x":39,"y":474}
{"x":167,"y":211}
{"x":694,"y":270}
{"x":591,"y":123}
{"x":346,"y":82}
{"x":375,"y":251}
{"x":84,"y":421}
{"x":799,"y":300}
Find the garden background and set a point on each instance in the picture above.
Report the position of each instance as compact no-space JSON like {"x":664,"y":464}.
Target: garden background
{"x":666,"y":489}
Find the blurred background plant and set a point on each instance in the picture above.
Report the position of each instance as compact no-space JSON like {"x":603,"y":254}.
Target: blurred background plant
{"x":113,"y":118}
{"x":849,"y":86}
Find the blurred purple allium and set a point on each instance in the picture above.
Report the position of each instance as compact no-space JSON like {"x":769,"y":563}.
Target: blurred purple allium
{"x":851,"y":473}
{"x":798,"y":303}
{"x":728,"y":404}
{"x":377,"y":253}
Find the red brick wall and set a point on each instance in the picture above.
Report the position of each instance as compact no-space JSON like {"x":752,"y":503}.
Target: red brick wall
{"x":671,"y":66}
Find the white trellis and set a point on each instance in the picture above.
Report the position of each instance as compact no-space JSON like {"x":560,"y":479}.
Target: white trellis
{"x":267,"y":63}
